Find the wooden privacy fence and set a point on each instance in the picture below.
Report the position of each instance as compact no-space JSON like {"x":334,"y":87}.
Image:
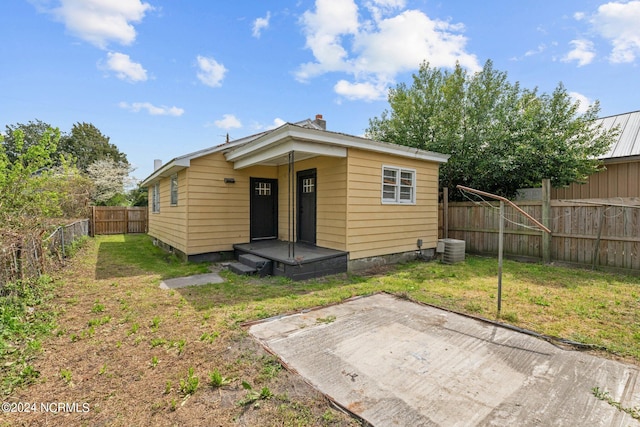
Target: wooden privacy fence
{"x":118,"y":220}
{"x":598,"y":234}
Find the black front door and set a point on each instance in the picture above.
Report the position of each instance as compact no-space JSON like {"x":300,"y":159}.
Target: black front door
{"x":264,"y":208}
{"x":307,"y":206}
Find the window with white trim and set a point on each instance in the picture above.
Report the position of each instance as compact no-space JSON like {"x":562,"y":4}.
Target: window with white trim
{"x":155,"y":198}
{"x":174,"y":190}
{"x":398,"y":185}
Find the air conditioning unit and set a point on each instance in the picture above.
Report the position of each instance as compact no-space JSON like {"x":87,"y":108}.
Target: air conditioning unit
{"x":452,"y":250}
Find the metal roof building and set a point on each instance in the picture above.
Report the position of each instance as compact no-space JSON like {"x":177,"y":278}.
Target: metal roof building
{"x":621,"y":179}
{"x":628,"y":142}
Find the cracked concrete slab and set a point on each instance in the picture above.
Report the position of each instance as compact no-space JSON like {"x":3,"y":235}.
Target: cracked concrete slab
{"x":394,"y":362}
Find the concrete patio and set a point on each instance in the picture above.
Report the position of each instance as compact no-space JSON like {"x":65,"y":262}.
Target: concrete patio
{"x":393,"y":362}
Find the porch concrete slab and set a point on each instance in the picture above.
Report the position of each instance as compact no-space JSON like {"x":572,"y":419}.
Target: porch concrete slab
{"x":394,"y":362}
{"x":198,"y":279}
{"x":278,"y":250}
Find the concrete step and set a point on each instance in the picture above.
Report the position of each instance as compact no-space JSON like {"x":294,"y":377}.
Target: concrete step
{"x":253,"y":260}
{"x":262,"y":265}
{"x":242,"y":269}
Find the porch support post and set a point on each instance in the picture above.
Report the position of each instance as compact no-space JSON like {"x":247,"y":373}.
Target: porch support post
{"x":291,"y":207}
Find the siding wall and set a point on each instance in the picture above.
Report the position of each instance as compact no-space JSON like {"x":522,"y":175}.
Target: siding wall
{"x":376,"y":229}
{"x":169,"y":225}
{"x":219,"y":212}
{"x":619,"y":180}
{"x":331,"y":199}
{"x":350,"y":214}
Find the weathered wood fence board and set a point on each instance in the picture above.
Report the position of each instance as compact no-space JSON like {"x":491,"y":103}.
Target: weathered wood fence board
{"x":118,"y":220}
{"x":589,"y":234}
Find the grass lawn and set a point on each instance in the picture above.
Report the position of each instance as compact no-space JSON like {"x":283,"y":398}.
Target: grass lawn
{"x":138,"y":355}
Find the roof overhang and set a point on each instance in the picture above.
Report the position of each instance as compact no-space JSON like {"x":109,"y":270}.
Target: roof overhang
{"x":277,"y":153}
{"x":273,"y":148}
{"x":171,"y":168}
{"x":625,"y":159}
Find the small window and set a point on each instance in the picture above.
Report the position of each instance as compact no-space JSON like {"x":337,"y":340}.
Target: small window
{"x":398,"y":185}
{"x":308,"y":185}
{"x":174,"y":190}
{"x":155,"y":198}
{"x":263,"y":188}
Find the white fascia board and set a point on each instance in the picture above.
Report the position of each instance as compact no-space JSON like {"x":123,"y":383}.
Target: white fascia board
{"x":279,"y":150}
{"x":399,"y":150}
{"x":174,"y":166}
{"x":334,"y":139}
{"x":257,"y":144}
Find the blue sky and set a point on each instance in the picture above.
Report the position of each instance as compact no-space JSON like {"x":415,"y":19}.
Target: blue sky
{"x":164,"y":78}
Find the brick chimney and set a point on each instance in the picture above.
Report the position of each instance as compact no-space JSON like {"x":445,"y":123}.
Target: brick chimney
{"x":320,"y":121}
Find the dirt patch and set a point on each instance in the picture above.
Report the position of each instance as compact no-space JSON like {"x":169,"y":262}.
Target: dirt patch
{"x":127,"y":353}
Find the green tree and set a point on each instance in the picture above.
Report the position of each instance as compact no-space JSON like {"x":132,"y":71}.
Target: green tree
{"x":73,"y":189}
{"x":500,"y":137}
{"x":19,"y":137}
{"x":83,"y":145}
{"x":24,"y":199}
{"x":86,"y":144}
{"x":139,"y":196}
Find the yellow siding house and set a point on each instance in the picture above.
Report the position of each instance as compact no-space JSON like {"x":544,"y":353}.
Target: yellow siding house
{"x":299,"y":193}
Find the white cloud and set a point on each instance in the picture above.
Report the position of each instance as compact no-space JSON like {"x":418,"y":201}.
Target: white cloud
{"x":153,"y":110}
{"x":277,"y":122}
{"x":124,"y":68}
{"x":583,"y":100}
{"x":366,"y":91}
{"x":374,"y":50}
{"x":618,"y":22}
{"x":228,"y":121}
{"x":540,"y":49}
{"x":211,"y":71}
{"x":582,"y":52}
{"x":379,"y":8}
{"x":260,"y":24}
{"x":100,"y":22}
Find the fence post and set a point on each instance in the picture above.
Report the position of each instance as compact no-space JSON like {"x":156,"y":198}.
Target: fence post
{"x":92,"y":222}
{"x":546,"y":220}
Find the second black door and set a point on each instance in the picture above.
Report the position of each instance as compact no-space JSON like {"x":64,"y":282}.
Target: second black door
{"x":307,"y":206}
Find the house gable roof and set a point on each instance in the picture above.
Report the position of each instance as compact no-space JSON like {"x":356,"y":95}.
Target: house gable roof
{"x":306,"y":139}
{"x":306,"y":142}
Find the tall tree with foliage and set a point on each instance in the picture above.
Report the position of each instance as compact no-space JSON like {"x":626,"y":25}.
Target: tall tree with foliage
{"x":82,"y":146}
{"x":500,"y":137}
{"x":24,"y":201}
{"x":86,"y":144}
{"x":19,"y":137}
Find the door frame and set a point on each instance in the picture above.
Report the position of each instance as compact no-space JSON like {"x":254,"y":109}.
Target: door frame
{"x":300,"y":176}
{"x":274,"y":208}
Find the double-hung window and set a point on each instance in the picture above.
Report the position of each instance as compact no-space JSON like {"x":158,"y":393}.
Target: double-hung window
{"x":174,"y":190}
{"x":155,"y":198}
{"x":398,"y":185}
